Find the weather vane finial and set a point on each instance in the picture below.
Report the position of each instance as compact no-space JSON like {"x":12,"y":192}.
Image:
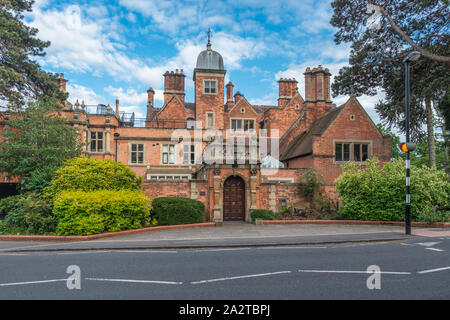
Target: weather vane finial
{"x":209,"y":37}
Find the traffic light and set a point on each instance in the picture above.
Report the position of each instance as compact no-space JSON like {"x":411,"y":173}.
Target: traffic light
{"x":407,"y":146}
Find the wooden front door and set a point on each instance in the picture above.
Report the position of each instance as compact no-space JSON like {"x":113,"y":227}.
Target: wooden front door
{"x":234,"y":199}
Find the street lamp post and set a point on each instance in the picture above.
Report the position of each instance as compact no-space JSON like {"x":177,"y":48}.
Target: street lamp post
{"x":413,"y":56}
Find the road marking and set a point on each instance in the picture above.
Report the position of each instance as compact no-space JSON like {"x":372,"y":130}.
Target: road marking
{"x":145,"y":251}
{"x":433,"y":270}
{"x":133,"y":281}
{"x":217,"y":250}
{"x":355,"y":272}
{"x":30,"y":282}
{"x":428,"y":244}
{"x":434,"y":249}
{"x":291,"y":247}
{"x":241,"y":277}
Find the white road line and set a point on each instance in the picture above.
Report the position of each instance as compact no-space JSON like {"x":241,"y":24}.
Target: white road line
{"x":241,"y":277}
{"x":218,"y":250}
{"x":133,"y":281}
{"x":145,"y":251}
{"x":298,"y":247}
{"x":355,"y":272}
{"x":434,"y":249}
{"x":30,"y":282}
{"x":433,"y":270}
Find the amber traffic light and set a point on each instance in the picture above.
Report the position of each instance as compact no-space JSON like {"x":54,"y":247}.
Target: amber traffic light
{"x":407,"y":146}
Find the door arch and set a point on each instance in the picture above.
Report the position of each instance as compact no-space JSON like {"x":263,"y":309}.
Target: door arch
{"x":234,"y":199}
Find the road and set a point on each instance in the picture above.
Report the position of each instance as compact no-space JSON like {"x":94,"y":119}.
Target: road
{"x":414,"y":269}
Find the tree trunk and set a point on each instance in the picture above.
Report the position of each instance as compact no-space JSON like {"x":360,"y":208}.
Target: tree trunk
{"x":430,"y":134}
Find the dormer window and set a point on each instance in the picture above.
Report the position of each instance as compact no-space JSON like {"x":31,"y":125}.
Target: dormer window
{"x":210,"y":86}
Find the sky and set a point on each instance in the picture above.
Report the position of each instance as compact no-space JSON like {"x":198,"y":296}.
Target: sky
{"x":118,"y":49}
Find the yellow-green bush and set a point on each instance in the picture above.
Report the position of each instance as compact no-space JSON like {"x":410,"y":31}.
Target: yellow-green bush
{"x":85,"y":213}
{"x":89,"y":174}
{"x":378,"y":192}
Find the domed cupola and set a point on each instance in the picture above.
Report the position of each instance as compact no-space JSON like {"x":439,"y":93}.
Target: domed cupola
{"x":209,"y":59}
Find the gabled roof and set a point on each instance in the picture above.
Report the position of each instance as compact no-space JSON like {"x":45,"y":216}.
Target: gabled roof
{"x":262,"y":108}
{"x":302,"y":145}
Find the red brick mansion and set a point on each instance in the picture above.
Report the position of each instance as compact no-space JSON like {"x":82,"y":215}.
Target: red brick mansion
{"x":221,"y":150}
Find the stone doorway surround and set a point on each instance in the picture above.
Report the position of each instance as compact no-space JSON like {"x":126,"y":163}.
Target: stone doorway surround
{"x":248,"y":175}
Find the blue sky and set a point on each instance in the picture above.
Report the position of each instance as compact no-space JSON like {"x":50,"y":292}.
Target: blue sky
{"x":118,"y":49}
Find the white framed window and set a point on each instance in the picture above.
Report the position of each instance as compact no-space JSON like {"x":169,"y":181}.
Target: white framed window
{"x":210,"y":120}
{"x":97,"y":141}
{"x":189,"y":154}
{"x":210,"y":86}
{"x":168,"y":154}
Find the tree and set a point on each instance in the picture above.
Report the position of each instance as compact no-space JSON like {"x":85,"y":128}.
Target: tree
{"x":395,"y":141}
{"x":382,"y":33}
{"x":36,"y":141}
{"x":21,"y":78}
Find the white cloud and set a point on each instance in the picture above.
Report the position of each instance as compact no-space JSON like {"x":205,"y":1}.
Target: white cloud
{"x":82,"y":93}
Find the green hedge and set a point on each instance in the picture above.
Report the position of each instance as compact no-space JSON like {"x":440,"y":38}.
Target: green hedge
{"x":90,"y":174}
{"x":378,"y":192}
{"x":172,"y":210}
{"x":85,"y":213}
{"x":262,"y":214}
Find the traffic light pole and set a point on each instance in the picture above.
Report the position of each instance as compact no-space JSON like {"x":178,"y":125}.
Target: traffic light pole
{"x":408,"y":199}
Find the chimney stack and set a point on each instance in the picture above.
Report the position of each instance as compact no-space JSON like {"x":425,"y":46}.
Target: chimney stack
{"x":317,"y":84}
{"x":229,"y":94}
{"x":174,"y":84}
{"x":286,"y":90}
{"x":117,"y":107}
{"x":62,"y":82}
{"x":150,"y":101}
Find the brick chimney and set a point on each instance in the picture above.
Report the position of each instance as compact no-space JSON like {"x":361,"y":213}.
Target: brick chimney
{"x":117,"y":107}
{"x":286,"y":90}
{"x":62,"y":82}
{"x":150,"y":101}
{"x":317,"y":84}
{"x":229,"y":94}
{"x":174,"y":84}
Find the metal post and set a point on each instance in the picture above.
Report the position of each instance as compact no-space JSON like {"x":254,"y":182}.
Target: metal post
{"x":408,"y":199}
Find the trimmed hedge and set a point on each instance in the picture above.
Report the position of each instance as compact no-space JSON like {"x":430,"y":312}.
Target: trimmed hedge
{"x":173,"y":210}
{"x":262,"y":214}
{"x":378,"y":192}
{"x":85,"y":213}
{"x":90,"y":174}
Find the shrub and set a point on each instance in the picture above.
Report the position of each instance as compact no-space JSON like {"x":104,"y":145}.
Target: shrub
{"x":309,"y":183}
{"x":172,"y":210}
{"x":262,"y":214}
{"x":27,"y":214}
{"x":378,"y":192}
{"x":85,"y":213}
{"x":88,"y":174}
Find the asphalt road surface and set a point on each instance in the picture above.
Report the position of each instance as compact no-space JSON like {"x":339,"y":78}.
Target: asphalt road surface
{"x":415,"y":269}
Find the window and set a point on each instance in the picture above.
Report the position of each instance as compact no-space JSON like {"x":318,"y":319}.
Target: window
{"x":96,"y":141}
{"x":210,"y":86}
{"x":355,"y":151}
{"x":209,"y":120}
{"x":168,"y":154}
{"x":137,"y":153}
{"x":189,"y":154}
{"x":190,"y":124}
{"x":242,"y":124}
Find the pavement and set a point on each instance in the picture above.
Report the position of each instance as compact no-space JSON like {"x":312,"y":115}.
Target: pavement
{"x":233,"y":234}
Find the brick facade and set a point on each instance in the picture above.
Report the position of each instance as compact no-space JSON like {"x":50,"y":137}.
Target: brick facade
{"x":308,"y":130}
